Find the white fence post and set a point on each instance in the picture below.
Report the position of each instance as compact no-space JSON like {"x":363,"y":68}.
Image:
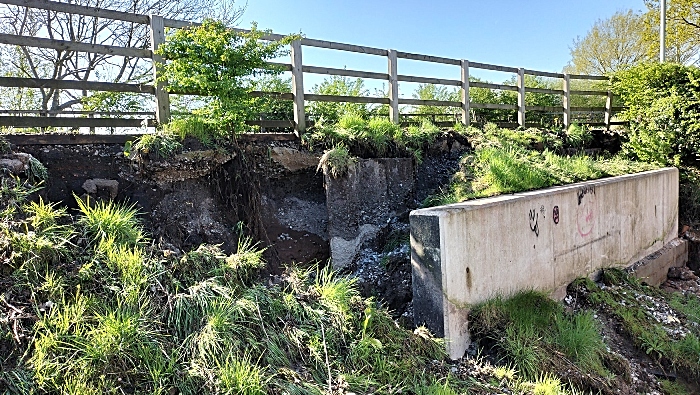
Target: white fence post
{"x":567,"y":100}
{"x":162,"y":97}
{"x":298,"y":89}
{"x":393,"y":86}
{"x":465,"y":93}
{"x":608,"y":110}
{"x":521,"y":96}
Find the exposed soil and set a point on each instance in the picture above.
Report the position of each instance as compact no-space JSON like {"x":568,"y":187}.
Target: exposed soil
{"x":212,"y":197}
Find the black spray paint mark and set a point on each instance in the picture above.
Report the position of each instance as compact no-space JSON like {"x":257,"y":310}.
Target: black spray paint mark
{"x":583,"y":192}
{"x":555,"y":214}
{"x":534,"y":226}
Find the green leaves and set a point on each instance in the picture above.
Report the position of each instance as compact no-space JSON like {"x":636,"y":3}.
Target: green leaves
{"x":217,"y":61}
{"x":663,"y":103}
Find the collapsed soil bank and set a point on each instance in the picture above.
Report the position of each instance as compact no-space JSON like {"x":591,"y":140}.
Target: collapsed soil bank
{"x":271,"y":190}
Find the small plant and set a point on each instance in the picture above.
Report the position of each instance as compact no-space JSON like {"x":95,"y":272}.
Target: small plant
{"x":159,"y":145}
{"x":109,"y":220}
{"x":44,"y":216}
{"x":240,"y":376}
{"x":5,"y":146}
{"x":36,"y":171}
{"x":578,"y":136}
{"x":240,"y":267}
{"x":336,"y":162}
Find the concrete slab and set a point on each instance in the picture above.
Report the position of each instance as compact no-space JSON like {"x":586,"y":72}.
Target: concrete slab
{"x":465,"y":253}
{"x":361,"y":203}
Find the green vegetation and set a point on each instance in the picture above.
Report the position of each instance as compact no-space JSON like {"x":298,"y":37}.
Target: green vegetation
{"x":106,"y":312}
{"x":121,"y":317}
{"x":336,"y":161}
{"x":5,"y":146}
{"x":161,"y":144}
{"x":506,"y":161}
{"x":635,"y":304}
{"x":531,"y":332}
{"x":662,"y":102}
{"x":374,"y":137}
{"x":328,"y":113}
{"x":218,"y":62}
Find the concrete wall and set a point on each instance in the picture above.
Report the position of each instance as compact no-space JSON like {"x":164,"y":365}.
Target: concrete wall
{"x":466,"y":253}
{"x":361,"y":203}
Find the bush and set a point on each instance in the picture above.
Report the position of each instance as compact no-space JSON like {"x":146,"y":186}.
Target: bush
{"x":663,"y":103}
{"x":218,"y":62}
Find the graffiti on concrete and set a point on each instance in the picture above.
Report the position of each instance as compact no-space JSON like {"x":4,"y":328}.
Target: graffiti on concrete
{"x":534,"y":226}
{"x":586,"y":210}
{"x":555,"y":215}
{"x":583,"y":191}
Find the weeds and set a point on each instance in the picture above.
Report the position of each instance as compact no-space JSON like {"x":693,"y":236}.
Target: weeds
{"x":631,"y":302}
{"x":157,"y":145}
{"x":527,"y":327}
{"x":105,"y":219}
{"x":336,"y":162}
{"x":578,"y":136}
{"x":5,"y":146}
{"x":36,"y":171}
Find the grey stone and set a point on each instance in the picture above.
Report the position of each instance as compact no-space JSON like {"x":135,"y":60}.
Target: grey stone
{"x":361,"y":203}
{"x":15,"y":166}
{"x":102,"y":188}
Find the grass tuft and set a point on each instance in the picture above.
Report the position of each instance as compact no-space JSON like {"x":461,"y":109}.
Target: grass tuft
{"x":336,"y":161}
{"x":103,"y":220}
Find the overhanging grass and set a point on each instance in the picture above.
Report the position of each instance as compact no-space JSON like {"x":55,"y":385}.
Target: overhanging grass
{"x":374,"y":137}
{"x":497,"y":169}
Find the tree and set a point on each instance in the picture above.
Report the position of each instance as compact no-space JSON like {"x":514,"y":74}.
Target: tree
{"x":663,"y":108}
{"x":71,"y":65}
{"x":329,"y":112}
{"x":219,"y":62}
{"x":611,"y":44}
{"x":682,"y":30}
{"x":435,"y":92}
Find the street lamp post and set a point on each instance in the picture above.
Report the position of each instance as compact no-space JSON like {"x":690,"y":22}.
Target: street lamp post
{"x":662,"y":51}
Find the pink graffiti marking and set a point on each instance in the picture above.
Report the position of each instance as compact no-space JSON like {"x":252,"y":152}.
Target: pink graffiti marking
{"x":585,"y":212}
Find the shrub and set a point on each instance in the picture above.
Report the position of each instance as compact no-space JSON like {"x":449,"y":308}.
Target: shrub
{"x":663,"y":108}
{"x":217,"y":61}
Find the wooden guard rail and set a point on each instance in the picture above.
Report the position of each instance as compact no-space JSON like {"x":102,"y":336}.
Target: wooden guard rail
{"x":158,"y":25}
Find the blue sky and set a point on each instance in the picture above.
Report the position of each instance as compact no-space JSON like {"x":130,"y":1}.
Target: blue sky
{"x":534,"y":34}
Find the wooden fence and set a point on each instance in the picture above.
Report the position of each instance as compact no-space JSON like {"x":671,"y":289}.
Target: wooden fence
{"x":160,"y":92}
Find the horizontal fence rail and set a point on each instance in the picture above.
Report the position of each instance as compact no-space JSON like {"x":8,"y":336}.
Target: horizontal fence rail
{"x":158,"y":25}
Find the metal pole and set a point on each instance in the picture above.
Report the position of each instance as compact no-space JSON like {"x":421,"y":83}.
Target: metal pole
{"x":662,"y":51}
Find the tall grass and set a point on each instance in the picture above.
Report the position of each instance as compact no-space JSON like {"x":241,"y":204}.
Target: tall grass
{"x":508,"y":168}
{"x":529,"y":325}
{"x":103,"y":220}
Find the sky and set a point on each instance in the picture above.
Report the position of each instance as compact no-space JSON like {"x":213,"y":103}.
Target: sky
{"x":534,"y":34}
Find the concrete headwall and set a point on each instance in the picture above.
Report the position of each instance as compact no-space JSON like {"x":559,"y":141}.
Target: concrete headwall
{"x":466,"y":253}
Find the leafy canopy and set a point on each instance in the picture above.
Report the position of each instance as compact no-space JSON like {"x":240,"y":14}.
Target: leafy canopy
{"x":663,"y":108}
{"x":219,"y":62}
